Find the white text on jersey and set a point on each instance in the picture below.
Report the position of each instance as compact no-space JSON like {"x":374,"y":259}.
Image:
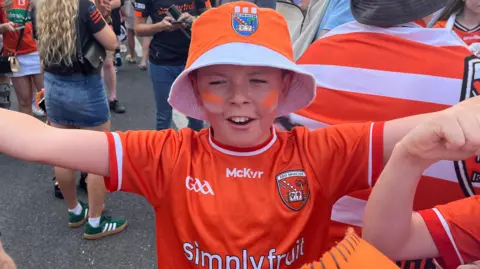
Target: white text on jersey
{"x":197,"y":185}
{"x":272,"y":260}
{"x":245,"y":173}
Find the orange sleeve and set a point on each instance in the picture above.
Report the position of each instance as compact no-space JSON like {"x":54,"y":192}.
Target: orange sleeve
{"x":347,"y":157}
{"x":141,"y":161}
{"x":455,"y":229}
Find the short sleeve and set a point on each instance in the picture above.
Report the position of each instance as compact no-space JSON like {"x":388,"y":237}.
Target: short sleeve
{"x":92,"y":17}
{"x":346,"y":157}
{"x":455,"y":229}
{"x":143,"y":8}
{"x":141,"y":162}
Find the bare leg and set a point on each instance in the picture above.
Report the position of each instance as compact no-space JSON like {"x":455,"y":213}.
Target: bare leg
{"x":66,"y":180}
{"x":110,"y":78}
{"x":145,"y":49}
{"x":131,"y":44}
{"x":23,"y":89}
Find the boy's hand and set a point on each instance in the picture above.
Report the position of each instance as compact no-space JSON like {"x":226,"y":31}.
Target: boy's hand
{"x":452,"y":134}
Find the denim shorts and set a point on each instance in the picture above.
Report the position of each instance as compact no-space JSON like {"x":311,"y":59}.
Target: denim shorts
{"x":76,"y":100}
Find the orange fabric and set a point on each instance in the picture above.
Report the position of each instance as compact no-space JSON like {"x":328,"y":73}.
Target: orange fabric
{"x":10,"y":39}
{"x":269,"y":207}
{"x":352,"y":253}
{"x":456,"y":227}
{"x":469,"y":36}
{"x":272,"y":30}
{"x":379,"y":54}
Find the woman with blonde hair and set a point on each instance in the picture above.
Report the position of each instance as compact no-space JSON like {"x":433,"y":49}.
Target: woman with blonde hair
{"x":74,"y":95}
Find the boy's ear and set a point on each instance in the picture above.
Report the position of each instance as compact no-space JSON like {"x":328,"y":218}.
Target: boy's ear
{"x":193,"y":79}
{"x":287,"y":81}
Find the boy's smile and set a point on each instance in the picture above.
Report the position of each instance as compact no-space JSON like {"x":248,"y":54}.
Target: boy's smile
{"x":240,"y":101}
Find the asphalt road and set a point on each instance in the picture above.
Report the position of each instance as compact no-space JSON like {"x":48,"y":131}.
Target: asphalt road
{"x":33,"y":222}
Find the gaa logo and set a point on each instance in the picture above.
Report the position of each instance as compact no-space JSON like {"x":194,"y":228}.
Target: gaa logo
{"x":468,"y":171}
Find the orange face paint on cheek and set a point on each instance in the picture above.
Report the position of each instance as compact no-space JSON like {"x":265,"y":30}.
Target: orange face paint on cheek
{"x":271,"y":100}
{"x":212,"y":102}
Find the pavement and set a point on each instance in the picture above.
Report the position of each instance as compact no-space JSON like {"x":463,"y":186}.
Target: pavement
{"x":33,"y":223}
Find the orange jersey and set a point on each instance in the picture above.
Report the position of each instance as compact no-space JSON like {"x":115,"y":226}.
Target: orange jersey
{"x":264,"y":207}
{"x":17,"y":15}
{"x":469,"y":36}
{"x":367,"y":73}
{"x":455,"y":228}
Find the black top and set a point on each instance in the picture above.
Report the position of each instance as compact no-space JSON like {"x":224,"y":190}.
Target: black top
{"x":91,"y":22}
{"x":168,"y":48}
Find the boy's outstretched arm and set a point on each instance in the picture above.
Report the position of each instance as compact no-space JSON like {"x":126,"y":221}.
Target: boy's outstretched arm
{"x":389,"y":224}
{"x":24,"y":137}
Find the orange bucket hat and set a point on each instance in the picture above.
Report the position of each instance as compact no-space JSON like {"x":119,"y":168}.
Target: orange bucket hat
{"x":352,"y":253}
{"x":240,"y":33}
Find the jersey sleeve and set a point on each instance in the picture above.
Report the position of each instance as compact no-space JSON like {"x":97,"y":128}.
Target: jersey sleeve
{"x":142,"y":8}
{"x":92,"y":17}
{"x":141,"y":162}
{"x":347,"y":157}
{"x":455,"y":229}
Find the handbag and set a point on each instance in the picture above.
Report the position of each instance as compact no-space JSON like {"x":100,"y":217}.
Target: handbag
{"x":94,"y":55}
{"x":9,"y":63}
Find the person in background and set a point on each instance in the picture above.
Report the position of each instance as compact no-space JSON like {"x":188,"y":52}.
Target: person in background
{"x":109,"y":68}
{"x":375,"y":54}
{"x":128,"y":11}
{"x":448,"y":232}
{"x":463,"y":17}
{"x":75,"y":97}
{"x":19,"y":16}
{"x":168,"y":49}
{"x":337,"y":13}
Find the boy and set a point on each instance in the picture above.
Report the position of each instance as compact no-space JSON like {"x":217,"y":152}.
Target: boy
{"x":239,"y":194}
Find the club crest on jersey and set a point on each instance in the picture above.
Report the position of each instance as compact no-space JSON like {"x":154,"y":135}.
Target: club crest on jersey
{"x":245,"y":20}
{"x":468,"y":171}
{"x":293,"y":188}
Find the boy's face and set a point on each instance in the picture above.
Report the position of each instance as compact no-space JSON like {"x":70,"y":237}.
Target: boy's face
{"x":240,"y":101}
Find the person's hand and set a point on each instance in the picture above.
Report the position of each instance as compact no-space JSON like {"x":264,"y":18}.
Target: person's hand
{"x":452,"y":134}
{"x":105,"y":7}
{"x":167,"y":26}
{"x":5,"y":260}
{"x":186,"y":17}
{"x":473,"y":265}
{"x":8,"y":27}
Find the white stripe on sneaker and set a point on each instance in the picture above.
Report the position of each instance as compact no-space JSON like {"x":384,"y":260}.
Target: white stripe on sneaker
{"x":105,"y":228}
{"x":114,"y":226}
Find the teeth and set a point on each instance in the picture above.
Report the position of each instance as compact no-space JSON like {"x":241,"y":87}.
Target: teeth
{"x":239,"y":119}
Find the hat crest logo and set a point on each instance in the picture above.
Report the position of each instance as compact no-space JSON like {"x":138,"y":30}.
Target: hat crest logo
{"x":245,"y":20}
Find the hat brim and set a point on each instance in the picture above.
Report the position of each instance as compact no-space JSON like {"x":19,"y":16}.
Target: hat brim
{"x":301,"y":92}
{"x":385,"y":13}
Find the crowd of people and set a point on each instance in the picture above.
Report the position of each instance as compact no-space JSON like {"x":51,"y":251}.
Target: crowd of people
{"x":361,"y":154}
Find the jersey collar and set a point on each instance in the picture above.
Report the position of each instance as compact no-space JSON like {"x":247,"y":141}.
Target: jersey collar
{"x":235,"y":151}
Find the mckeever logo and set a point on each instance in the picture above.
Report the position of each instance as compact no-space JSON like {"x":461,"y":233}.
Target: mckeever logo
{"x":244,"y":173}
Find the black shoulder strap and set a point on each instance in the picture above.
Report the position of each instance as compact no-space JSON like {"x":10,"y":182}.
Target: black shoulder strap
{"x":22,"y":31}
{"x":79,"y":38}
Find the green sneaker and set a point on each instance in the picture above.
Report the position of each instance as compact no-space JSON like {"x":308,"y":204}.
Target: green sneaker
{"x":75,"y":221}
{"x":108,"y":226}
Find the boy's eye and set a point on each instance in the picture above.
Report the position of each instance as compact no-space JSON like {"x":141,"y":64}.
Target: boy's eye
{"x":217,"y":82}
{"x":258,"y":81}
